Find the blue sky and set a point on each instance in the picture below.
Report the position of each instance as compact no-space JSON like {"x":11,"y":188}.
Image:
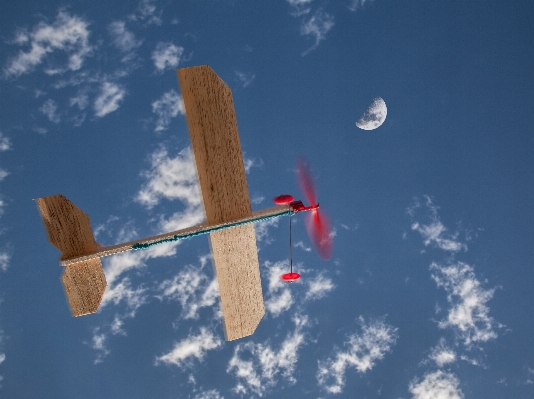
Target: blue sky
{"x":428,"y":292}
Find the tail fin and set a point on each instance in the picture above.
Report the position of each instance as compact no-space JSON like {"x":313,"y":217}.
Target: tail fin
{"x":68,"y":227}
{"x":69,"y":230}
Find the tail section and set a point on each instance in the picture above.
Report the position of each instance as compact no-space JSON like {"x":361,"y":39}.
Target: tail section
{"x":69,"y":230}
{"x":68,"y":227}
{"x":84,"y":284}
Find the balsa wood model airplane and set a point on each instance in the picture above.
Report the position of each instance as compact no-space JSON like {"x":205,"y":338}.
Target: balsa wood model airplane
{"x":229,"y":218}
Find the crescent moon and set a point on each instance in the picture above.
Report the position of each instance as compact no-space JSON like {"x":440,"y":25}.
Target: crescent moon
{"x":374,"y":116}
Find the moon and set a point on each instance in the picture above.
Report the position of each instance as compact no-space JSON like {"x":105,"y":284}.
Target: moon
{"x":374,"y":116}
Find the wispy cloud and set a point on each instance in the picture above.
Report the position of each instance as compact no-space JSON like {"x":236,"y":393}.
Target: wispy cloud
{"x":258,"y":366}
{"x":99,"y":344}
{"x":301,"y":245}
{"x":317,"y":26}
{"x":123,"y":39}
{"x":68,"y":34}
{"x":318,"y":287}
{"x":193,"y":347}
{"x":171,"y":179}
{"x":356,"y":4}
{"x":192,"y":288}
{"x":362,"y":351}
{"x":168,"y":106}
{"x":433,"y":231}
{"x":81,"y":100}
{"x":438,"y":384}
{"x":111,"y":95}
{"x":49,"y":109}
{"x":251,"y":163}
{"x":262,"y":230}
{"x":147,"y":12}
{"x":166,"y":56}
{"x":5,"y":257}
{"x":299,"y":2}
{"x":279,"y":298}
{"x":442,"y":354}
{"x":300,"y":7}
{"x":245,"y":78}
{"x":5,"y":143}
{"x":211,"y":394}
{"x":2,"y":357}
{"x":468,"y":315}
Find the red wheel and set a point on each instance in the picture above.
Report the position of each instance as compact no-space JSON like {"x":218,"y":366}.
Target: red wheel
{"x":290,"y":277}
{"x":283,"y":199}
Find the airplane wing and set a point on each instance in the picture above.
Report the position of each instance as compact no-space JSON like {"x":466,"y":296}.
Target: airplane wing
{"x":221,"y":172}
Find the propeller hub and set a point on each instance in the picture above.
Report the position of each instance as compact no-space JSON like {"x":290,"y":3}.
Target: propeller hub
{"x":298,"y":206}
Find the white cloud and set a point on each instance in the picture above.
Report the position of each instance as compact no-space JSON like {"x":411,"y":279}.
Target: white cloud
{"x":123,"y":39}
{"x":434,"y":232}
{"x":67,"y":34}
{"x":252,"y":163}
{"x":298,"y":2}
{"x":147,"y":11}
{"x":4,"y":261}
{"x":317,"y":26}
{"x":192,"y":289}
{"x":301,"y":245}
{"x":121,"y":291}
{"x":49,"y":109}
{"x":318,"y":287}
{"x":167,"y":55}
{"x":355,"y":4}
{"x":81,"y":101}
{"x":211,"y":394}
{"x":171,"y":179}
{"x":361,"y":352}
{"x":3,"y":174}
{"x":194,"y":346}
{"x":111,"y":94}
{"x":5,"y":143}
{"x":437,"y":385}
{"x":167,"y":107}
{"x":279,"y":298}
{"x":116,"y":265}
{"x":245,"y":78}
{"x":257,"y":199}
{"x":442,"y":354}
{"x":262,"y":230}
{"x":260,"y":369}
{"x":98,"y":343}
{"x":124,"y":292}
{"x":40,"y":130}
{"x":468,"y":314}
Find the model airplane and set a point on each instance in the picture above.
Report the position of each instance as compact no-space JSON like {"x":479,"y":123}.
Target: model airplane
{"x":229,"y":217}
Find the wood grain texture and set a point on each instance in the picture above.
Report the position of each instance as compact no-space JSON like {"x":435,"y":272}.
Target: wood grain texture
{"x":84,"y":284}
{"x":236,"y":264}
{"x":221,"y":172}
{"x":215,"y":139}
{"x":67,"y":226}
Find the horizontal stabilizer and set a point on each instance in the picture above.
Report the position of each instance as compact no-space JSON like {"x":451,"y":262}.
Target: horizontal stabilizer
{"x":68,"y":227}
{"x":84,"y":284}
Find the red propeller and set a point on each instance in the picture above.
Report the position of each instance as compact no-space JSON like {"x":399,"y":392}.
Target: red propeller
{"x":317,"y":223}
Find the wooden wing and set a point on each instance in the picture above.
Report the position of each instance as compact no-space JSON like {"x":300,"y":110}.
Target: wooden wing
{"x":221,"y":172}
